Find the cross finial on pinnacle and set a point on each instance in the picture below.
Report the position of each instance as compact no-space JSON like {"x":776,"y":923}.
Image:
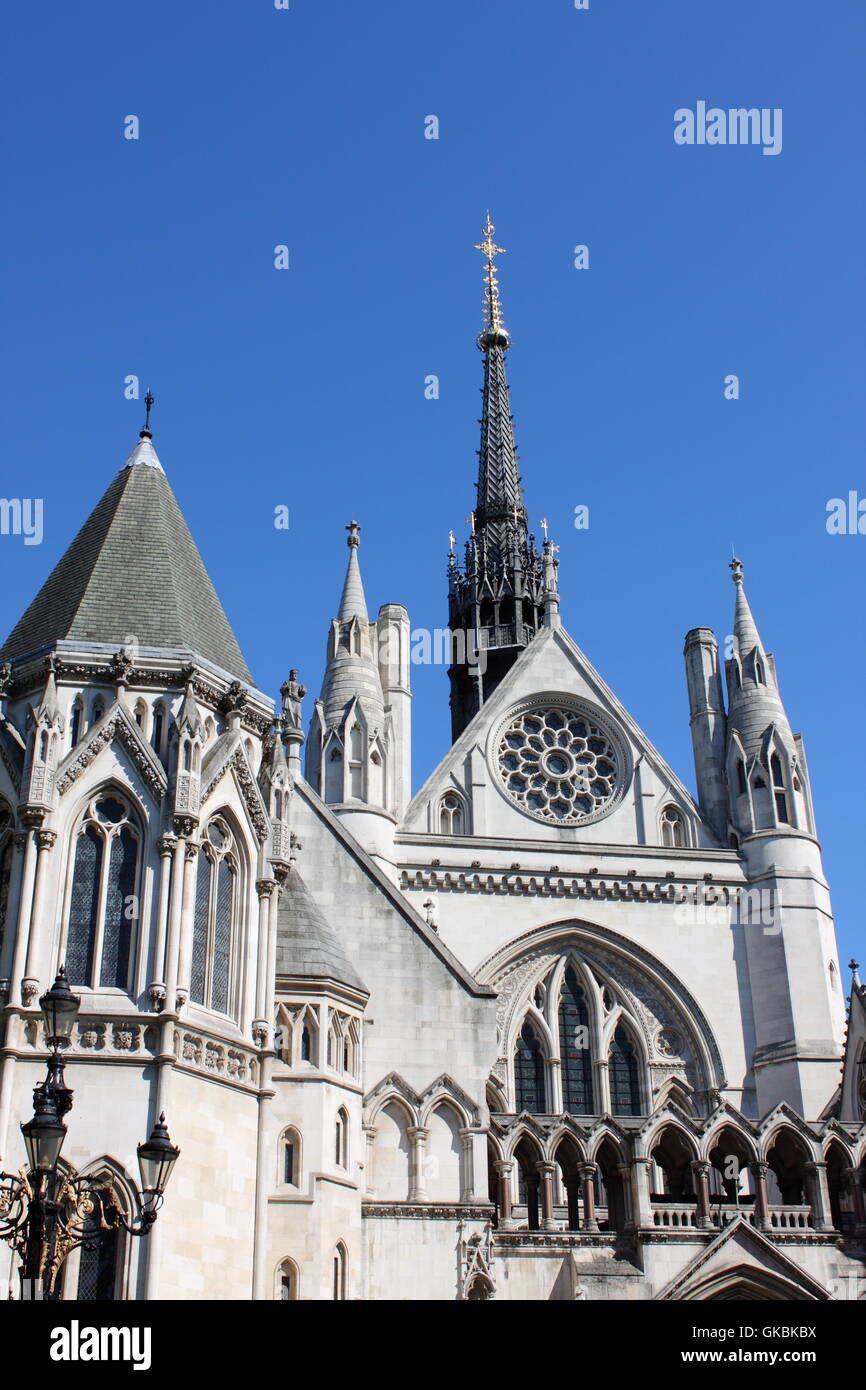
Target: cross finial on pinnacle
{"x":544,"y":525}
{"x":736,"y":568}
{"x":471,"y":519}
{"x":854,"y":967}
{"x":148,"y":404}
{"x":491,"y":295}
{"x":451,"y":539}
{"x":354,"y":537}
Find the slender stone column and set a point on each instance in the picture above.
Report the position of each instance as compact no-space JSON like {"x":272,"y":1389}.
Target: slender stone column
{"x":467,"y":1166}
{"x":174,"y":921}
{"x":263,"y":1182}
{"x":587,"y":1176}
{"x":555,"y":1075}
{"x":156,"y":988}
{"x":820,"y":1196}
{"x":369,"y":1174}
{"x":184,"y":969}
{"x":263,"y":888}
{"x":701,"y":1171}
{"x":545,"y":1174}
{"x":642,"y":1202}
{"x":271,"y":972}
{"x":22,"y":928}
{"x":418,"y":1136}
{"x":623,"y":1172}
{"x":45,"y":841}
{"x":503,"y":1168}
{"x":759,"y":1172}
{"x":601,"y":1086}
{"x":19,"y":840}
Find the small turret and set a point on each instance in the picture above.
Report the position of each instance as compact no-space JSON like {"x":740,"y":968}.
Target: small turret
{"x":188,"y":737}
{"x":766,"y":768}
{"x":275,"y":782}
{"x":45,"y":726}
{"x":350,"y":744}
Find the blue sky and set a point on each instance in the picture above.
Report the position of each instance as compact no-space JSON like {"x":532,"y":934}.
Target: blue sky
{"x":306,"y":387}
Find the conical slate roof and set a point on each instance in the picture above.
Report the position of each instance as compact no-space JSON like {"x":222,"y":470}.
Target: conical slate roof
{"x":307,"y":946}
{"x":353,"y":604}
{"x":133,"y":571}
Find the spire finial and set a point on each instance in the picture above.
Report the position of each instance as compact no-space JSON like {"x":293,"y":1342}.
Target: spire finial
{"x":854,"y":967}
{"x":494,"y":329}
{"x":146,"y":433}
{"x":354,"y":537}
{"x":736,"y":568}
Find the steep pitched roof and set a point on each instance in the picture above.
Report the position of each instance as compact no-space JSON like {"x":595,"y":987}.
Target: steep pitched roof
{"x":307,"y":945}
{"x":134,"y":569}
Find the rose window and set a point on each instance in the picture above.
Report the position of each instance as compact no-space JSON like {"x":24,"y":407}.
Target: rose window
{"x":558,"y":765}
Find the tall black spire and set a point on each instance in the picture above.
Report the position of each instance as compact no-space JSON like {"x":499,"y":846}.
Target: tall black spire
{"x":496,"y":601}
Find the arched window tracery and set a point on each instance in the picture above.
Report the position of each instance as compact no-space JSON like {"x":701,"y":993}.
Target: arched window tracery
{"x":624,"y":1075}
{"x":104,"y":896}
{"x":529,"y":1072}
{"x":575,"y":1047}
{"x":214,"y":914}
{"x":673,"y":828}
{"x":452,"y":818}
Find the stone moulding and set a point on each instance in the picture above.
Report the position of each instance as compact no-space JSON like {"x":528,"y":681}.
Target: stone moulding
{"x":219,"y":1061}
{"x":424,"y":1211}
{"x":117,"y":724}
{"x":587,"y":887}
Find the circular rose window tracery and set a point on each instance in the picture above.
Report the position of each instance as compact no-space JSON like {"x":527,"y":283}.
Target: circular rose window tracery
{"x":559,"y":764}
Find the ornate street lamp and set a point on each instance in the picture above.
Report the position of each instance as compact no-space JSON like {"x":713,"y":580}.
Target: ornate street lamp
{"x":45,"y":1213}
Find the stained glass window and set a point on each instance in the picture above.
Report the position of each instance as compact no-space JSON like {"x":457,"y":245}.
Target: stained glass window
{"x":574,"y":1048}
{"x":623,"y":1072}
{"x":81,"y":933}
{"x":120,"y":910}
{"x":529,"y":1073}
{"x":213,"y":919}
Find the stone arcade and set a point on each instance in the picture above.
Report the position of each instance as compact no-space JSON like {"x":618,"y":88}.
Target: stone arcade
{"x":515,"y":1036}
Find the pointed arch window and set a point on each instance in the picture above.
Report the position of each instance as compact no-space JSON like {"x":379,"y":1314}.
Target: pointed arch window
{"x":623,"y":1072}
{"x":574,"y":1047}
{"x":103,"y":901}
{"x":673,"y":828}
{"x":341,"y":1139}
{"x":452,"y":817}
{"x":341,"y":1269}
{"x":779,"y":794}
{"x":742,"y":785}
{"x":75,"y":723}
{"x":98,"y":1261}
{"x":529,"y":1079}
{"x":157,"y":730}
{"x":213,"y":919}
{"x":98,"y":710}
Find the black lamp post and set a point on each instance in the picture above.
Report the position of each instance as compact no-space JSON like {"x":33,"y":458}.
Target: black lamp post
{"x":45,"y":1213}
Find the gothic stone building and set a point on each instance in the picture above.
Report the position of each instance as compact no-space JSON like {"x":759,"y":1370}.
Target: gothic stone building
{"x":549,"y":1028}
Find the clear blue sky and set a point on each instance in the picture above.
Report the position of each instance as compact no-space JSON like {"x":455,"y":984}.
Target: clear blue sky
{"x":305,"y":387}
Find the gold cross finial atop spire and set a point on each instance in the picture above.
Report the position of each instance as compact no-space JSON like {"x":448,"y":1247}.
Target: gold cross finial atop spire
{"x":451,"y":539}
{"x":491,"y":297}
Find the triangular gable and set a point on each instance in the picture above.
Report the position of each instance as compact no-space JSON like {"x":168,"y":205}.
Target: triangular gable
{"x":740,"y":1251}
{"x":552,"y":662}
{"x":116,"y":724}
{"x":228,"y":752}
